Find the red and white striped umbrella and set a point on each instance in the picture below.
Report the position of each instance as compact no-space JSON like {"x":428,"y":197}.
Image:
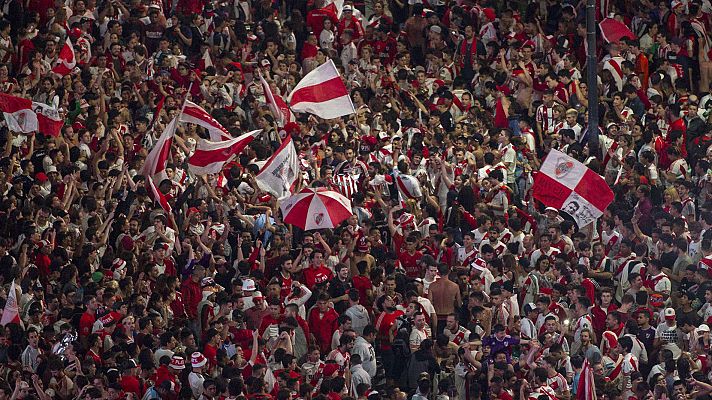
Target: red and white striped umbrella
{"x":316,"y":208}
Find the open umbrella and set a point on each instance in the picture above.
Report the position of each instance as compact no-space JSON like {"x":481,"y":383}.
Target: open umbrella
{"x":613,"y":30}
{"x":316,"y":208}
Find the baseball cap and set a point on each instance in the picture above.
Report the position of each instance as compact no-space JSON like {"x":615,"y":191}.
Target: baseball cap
{"x":248,"y":285}
{"x":529,"y":307}
{"x":703,"y":328}
{"x":669,"y":313}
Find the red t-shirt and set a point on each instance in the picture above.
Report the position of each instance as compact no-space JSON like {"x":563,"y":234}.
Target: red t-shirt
{"x":410,"y":263}
{"x":316,"y":276}
{"x":383,"y":325}
{"x":362,"y":284}
{"x":86,"y":323}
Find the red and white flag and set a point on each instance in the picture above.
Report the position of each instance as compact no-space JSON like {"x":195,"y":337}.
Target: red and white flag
{"x":11,"y":313}
{"x":586,"y":389}
{"x":195,"y":114}
{"x":205,"y":61}
{"x":282,"y":114}
{"x":569,"y":186}
{"x":322,"y":93}
{"x":158,"y":196}
{"x":210,"y":157}
{"x":155,"y":164}
{"x":281,"y":171}
{"x":66,"y":61}
{"x":23,"y":115}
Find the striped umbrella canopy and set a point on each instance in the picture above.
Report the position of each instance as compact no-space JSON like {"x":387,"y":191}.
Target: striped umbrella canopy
{"x":316,"y":208}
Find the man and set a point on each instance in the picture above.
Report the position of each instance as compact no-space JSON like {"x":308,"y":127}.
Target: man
{"x":342,"y":354}
{"x":551,"y":325}
{"x":588,"y":348}
{"x":499,"y":341}
{"x":468,"y":251}
{"x":339,"y":288}
{"x":358,"y":374}
{"x":323,"y":322}
{"x":667,"y":335}
{"x":630,"y":362}
{"x":193,"y":295}
{"x":456,"y":333}
{"x":445,"y":295}
{"x":545,"y":249}
{"x":583,"y":322}
{"x":554,"y":379}
{"x":363,"y":347}
{"x":358,"y":313}
{"x":528,"y":323}
{"x":386,"y":328}
{"x":30,"y":357}
{"x":658,"y":282}
{"x":344,"y":324}
{"x":420,"y":331}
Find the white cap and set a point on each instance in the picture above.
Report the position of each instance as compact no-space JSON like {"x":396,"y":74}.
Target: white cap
{"x":703,"y":328}
{"x":248,"y":285}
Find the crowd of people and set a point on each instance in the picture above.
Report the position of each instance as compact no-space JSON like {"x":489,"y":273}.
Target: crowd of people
{"x":450,"y":280}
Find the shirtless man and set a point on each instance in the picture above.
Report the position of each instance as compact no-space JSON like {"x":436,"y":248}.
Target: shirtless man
{"x":441,"y":293}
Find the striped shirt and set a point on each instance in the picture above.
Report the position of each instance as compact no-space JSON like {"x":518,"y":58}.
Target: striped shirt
{"x":545,"y":118}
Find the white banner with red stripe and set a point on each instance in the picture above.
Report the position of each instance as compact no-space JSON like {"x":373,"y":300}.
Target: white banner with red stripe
{"x":281,"y":171}
{"x":195,"y":114}
{"x":569,"y":186}
{"x":25,"y":116}
{"x":210,"y":157}
{"x":322,"y":93}
{"x":155,"y":164}
{"x":67,"y":60}
{"x":282,"y":114}
{"x":158,"y":196}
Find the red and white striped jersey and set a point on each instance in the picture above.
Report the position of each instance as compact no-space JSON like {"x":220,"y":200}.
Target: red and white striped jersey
{"x":545,"y":118}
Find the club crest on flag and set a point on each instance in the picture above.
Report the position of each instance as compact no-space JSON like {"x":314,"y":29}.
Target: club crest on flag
{"x":563,"y":167}
{"x":288,"y":206}
{"x":319,"y":218}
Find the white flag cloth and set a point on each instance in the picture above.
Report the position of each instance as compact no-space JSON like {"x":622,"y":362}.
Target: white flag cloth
{"x":195,"y":114}
{"x":24,"y":115}
{"x":322,"y":93}
{"x":210,"y":157}
{"x":11,"y":313}
{"x":569,"y":186}
{"x":282,"y":114}
{"x":155,"y":164}
{"x":67,"y":60}
{"x":281,"y":171}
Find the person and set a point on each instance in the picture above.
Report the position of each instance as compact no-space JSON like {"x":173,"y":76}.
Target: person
{"x":444,"y":294}
{"x":359,"y":376}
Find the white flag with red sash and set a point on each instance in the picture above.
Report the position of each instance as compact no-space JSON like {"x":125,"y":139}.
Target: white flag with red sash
{"x":158,"y":196}
{"x":567,"y":185}
{"x":195,"y":114}
{"x":281,"y":171}
{"x":155,"y":164}
{"x":23,"y":115}
{"x":282,"y":114}
{"x":11,"y":313}
{"x":210,"y":157}
{"x":586,"y":390}
{"x":67,"y":60}
{"x":322,"y":93}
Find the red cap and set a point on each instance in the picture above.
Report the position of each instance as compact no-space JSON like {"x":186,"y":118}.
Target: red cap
{"x":41,"y":177}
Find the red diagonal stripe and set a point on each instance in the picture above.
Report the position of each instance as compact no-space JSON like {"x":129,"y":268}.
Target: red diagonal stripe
{"x":324,"y":91}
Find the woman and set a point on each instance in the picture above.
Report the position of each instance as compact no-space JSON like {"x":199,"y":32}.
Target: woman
{"x":669,"y":196}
